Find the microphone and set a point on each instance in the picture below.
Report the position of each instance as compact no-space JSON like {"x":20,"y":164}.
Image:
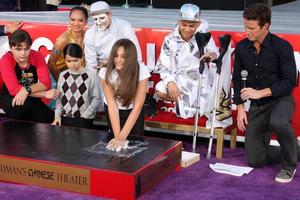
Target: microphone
{"x":244,"y":74}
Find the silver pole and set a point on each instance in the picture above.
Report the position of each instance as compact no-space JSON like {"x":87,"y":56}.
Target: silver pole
{"x":212,"y":129}
{"x":126,"y":5}
{"x":197,"y":113}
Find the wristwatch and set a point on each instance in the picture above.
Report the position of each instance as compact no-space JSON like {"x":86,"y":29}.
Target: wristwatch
{"x":28,"y":89}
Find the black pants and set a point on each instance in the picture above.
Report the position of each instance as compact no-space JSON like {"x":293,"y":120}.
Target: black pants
{"x":262,"y":121}
{"x":34,"y":109}
{"x":137,"y":129}
{"x":77,"y":122}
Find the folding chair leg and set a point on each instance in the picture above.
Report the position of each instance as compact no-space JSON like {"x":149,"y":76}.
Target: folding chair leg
{"x":220,"y":144}
{"x":233,"y":134}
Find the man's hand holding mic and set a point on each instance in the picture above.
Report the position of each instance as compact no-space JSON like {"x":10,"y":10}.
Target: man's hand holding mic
{"x":250,"y":93}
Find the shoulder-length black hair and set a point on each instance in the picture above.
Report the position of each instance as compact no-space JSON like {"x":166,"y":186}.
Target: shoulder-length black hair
{"x":73,"y":50}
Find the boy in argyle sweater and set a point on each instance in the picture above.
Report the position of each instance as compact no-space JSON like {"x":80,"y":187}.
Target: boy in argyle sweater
{"x":79,"y":96}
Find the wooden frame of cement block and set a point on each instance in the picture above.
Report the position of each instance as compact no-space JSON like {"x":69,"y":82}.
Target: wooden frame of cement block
{"x":219,"y":132}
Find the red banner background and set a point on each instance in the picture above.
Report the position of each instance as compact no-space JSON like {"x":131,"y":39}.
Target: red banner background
{"x":44,"y":35}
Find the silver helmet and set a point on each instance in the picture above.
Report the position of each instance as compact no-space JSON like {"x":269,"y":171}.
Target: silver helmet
{"x":189,"y":12}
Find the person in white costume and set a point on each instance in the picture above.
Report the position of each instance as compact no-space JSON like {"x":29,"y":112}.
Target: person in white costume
{"x":178,"y":64}
{"x":101,"y":36}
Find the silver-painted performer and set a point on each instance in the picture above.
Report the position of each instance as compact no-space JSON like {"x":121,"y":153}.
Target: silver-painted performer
{"x":178,"y":64}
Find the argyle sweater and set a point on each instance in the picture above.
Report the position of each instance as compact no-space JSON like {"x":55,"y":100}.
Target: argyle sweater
{"x":79,"y":94}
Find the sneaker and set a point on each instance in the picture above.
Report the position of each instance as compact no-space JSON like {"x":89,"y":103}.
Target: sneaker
{"x":285,"y":176}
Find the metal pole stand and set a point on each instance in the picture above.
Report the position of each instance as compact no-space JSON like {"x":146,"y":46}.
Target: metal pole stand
{"x":202,"y":40}
{"x":212,"y":129}
{"x":197,"y":112}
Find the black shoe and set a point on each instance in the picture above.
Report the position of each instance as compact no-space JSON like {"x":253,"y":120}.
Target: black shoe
{"x":285,"y":176}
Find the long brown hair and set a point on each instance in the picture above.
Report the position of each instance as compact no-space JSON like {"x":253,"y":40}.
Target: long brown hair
{"x":128,"y":77}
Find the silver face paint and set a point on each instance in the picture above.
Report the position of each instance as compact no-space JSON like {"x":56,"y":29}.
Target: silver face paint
{"x":102,"y":21}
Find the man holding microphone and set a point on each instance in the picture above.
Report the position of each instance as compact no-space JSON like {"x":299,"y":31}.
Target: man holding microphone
{"x":271,"y":76}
